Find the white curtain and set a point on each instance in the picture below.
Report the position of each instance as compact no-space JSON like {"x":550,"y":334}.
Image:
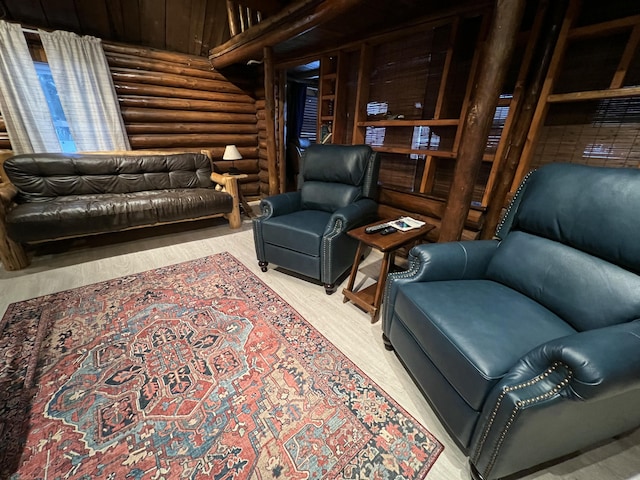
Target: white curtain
{"x":22,"y":102}
{"x":83,"y":80}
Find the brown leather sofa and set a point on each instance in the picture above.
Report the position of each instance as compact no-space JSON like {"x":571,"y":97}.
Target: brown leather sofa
{"x":54,"y":196}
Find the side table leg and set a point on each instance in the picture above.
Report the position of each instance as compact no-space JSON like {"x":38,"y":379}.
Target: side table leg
{"x":387,"y":259}
{"x":354,"y":270}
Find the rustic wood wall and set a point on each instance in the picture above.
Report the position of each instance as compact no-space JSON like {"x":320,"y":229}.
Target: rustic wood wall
{"x":172,"y":101}
{"x":177,"y":102}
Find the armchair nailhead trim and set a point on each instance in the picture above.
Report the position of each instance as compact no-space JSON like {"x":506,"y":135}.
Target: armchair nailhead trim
{"x":517,"y":408}
{"x":513,"y":201}
{"x":412,"y":271}
{"x":326,"y":242}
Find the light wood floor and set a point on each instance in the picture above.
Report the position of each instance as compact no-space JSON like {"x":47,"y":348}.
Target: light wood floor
{"x":67,"y":265}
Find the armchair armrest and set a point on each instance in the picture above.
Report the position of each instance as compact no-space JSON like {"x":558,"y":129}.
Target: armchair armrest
{"x":561,"y":397}
{"x":353,"y":215}
{"x":281,"y":204}
{"x":438,"y":262}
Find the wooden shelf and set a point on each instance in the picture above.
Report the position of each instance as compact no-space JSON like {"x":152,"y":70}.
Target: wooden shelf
{"x":329,"y":97}
{"x":594,"y":95}
{"x":443,"y":122}
{"x":487,"y":157}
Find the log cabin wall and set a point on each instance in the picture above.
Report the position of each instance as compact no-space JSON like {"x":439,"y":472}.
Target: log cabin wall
{"x":177,"y":102}
{"x":172,"y":101}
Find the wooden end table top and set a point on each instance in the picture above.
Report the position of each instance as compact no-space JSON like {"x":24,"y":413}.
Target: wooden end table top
{"x":392,"y":241}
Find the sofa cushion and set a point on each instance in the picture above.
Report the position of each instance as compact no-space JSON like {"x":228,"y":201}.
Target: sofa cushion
{"x":299,"y":231}
{"x":75,"y":215}
{"x":471,"y":332}
{"x":584,"y":290}
{"x":42,"y":176}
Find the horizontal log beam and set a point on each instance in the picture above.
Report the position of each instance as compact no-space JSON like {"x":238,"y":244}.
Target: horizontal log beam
{"x":171,"y":80}
{"x":193,"y":61}
{"x":125,"y":88}
{"x":153,"y":141}
{"x":140,"y":63}
{"x":140,"y":128}
{"x":425,"y":206}
{"x":301,"y":17}
{"x":185,"y":104}
{"x":146,"y":115}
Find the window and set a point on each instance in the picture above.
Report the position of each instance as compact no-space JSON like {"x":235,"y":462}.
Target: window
{"x":57,"y":114}
{"x":310,"y":115}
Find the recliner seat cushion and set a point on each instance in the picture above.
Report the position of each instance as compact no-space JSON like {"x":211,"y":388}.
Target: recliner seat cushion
{"x":474,"y":331}
{"x":74,"y":215}
{"x":299,"y":231}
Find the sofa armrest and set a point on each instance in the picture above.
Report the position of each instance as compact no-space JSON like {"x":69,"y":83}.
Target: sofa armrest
{"x":565,"y":395}
{"x":230,"y":185}
{"x":12,"y":254}
{"x":8,"y":192}
{"x":438,"y":262}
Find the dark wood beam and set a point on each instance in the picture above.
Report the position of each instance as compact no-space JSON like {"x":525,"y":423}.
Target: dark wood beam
{"x":497,"y":55}
{"x":265,"y":6}
{"x":301,"y":17}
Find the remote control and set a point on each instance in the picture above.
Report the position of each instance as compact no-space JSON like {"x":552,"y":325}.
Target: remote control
{"x":376,"y":228}
{"x":388,"y":230}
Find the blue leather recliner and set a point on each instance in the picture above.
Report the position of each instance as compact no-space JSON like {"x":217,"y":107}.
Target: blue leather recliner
{"x":528,"y":346}
{"x":306,"y":231}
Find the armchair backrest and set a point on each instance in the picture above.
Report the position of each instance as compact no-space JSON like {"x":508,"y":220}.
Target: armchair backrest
{"x":570,"y":242}
{"x":334,"y":176}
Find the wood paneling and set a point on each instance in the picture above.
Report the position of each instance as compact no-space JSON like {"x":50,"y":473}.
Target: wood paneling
{"x":186,"y":26}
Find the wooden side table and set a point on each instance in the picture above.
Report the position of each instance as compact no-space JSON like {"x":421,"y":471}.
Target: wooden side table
{"x":370,"y":298}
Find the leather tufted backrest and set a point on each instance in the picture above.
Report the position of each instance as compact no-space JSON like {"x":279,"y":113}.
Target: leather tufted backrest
{"x":334,"y":176}
{"x":44,"y":175}
{"x":570,"y":241}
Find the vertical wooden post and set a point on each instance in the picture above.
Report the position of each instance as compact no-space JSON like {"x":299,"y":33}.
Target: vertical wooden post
{"x":518,"y":134}
{"x":270,"y":114}
{"x":280,"y":108}
{"x":499,"y":48}
{"x":234,"y":27}
{"x":547,"y":87}
{"x":362,"y":94}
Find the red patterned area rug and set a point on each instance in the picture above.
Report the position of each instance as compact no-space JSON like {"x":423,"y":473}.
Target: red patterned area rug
{"x":196,"y":370}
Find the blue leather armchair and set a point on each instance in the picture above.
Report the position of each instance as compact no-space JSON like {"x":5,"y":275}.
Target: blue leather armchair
{"x":305,"y":231}
{"x":528,"y":346}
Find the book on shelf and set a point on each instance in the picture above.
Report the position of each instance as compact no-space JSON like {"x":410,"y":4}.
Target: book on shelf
{"x":406,"y":223}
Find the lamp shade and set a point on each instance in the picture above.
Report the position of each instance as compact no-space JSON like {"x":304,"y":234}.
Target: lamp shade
{"x":231,"y":153}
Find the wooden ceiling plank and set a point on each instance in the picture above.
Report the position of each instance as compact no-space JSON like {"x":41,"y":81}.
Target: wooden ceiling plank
{"x":196,"y":26}
{"x":62,"y":15}
{"x":131,"y":22}
{"x":27,"y":12}
{"x":265,"y":6}
{"x":177,"y":25}
{"x":152,"y":32}
{"x":94,"y":18}
{"x":216,"y":25}
{"x":116,"y":19}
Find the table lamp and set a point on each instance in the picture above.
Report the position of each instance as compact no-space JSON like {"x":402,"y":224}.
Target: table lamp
{"x":231,"y":153}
